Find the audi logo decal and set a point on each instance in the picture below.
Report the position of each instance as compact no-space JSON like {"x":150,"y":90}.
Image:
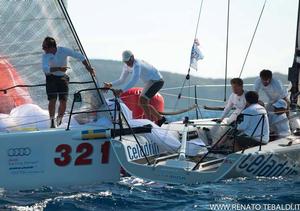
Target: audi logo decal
{"x":15,"y":152}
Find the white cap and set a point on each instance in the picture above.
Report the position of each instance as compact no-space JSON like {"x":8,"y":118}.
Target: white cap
{"x":126,"y":55}
{"x":280,"y":104}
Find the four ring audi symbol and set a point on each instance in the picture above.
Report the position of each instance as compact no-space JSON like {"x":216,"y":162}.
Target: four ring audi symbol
{"x":15,"y":152}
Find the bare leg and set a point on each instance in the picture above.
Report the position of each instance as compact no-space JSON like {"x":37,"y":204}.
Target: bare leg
{"x":51,"y":108}
{"x":62,"y":108}
{"x":148,"y":109}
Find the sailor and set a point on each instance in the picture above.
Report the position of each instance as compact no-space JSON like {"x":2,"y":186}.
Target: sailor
{"x":150,"y":76}
{"x":236,"y":100}
{"x":252,"y":122}
{"x":279,"y":123}
{"x":54,"y":63}
{"x":271,"y":86}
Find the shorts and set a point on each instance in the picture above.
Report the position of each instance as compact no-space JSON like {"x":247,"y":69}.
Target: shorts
{"x":151,"y":88}
{"x":245,"y":141}
{"x":57,"y":85}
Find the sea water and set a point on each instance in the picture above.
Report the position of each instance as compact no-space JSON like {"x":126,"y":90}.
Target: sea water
{"x":137,"y":194}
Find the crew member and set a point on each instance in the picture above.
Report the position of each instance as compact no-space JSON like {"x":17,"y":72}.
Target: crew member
{"x":55,"y":68}
{"x":279,"y":123}
{"x":152,"y":78}
{"x":271,"y":86}
{"x":252,"y":123}
{"x":236,"y":100}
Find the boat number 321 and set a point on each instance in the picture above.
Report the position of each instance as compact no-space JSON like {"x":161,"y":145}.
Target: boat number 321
{"x":83,"y":154}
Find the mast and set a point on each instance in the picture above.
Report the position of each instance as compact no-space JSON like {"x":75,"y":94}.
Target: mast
{"x":226,"y":52}
{"x":293,"y":74}
{"x":298,"y":29}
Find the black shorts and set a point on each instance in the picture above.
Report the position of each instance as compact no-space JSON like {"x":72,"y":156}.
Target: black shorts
{"x":57,"y":85}
{"x":151,"y":88}
{"x":245,"y":141}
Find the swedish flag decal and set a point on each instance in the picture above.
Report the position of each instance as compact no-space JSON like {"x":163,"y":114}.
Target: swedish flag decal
{"x":93,"y":134}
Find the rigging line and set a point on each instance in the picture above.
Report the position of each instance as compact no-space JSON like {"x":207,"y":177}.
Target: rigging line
{"x":65,"y":13}
{"x":252,"y":39}
{"x":196,"y":31}
{"x":196,"y":102}
{"x":197,"y":26}
{"x":189,"y":99}
{"x":186,"y":97}
{"x":204,"y":85}
{"x":226,"y":57}
{"x":188,"y":74}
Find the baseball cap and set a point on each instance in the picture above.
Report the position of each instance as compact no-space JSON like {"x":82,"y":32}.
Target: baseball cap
{"x":280,"y":104}
{"x":126,"y":55}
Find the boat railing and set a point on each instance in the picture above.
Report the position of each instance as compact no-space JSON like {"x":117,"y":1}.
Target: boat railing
{"x":118,"y":117}
{"x":234,"y":128}
{"x":261,"y":120}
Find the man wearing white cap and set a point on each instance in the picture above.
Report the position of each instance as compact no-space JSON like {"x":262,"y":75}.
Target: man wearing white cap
{"x":153,"y":80}
{"x":279,"y":123}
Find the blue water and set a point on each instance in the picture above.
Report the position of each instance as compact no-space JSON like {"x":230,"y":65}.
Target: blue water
{"x":136,"y":194}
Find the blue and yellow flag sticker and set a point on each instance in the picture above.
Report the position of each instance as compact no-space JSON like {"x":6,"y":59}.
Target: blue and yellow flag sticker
{"x":93,"y":134}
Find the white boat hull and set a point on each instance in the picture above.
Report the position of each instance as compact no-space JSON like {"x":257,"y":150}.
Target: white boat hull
{"x":275,"y":159}
{"x":55,"y":158}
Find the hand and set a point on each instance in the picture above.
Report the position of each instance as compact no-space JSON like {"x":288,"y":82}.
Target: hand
{"x":218,"y":120}
{"x":91,"y":70}
{"x":205,"y":107}
{"x":118,"y":92}
{"x":107,"y":85}
{"x":62,"y":69}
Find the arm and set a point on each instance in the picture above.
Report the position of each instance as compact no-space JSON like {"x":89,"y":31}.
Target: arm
{"x":228,"y":107}
{"x":282,"y":90}
{"x":73,"y":54}
{"x":89,"y":67}
{"x":122,"y":78}
{"x":45,"y":64}
{"x":244,"y":124}
{"x":214,"y":108}
{"x":62,"y":69}
{"x":134,"y":79}
{"x":47,"y":69}
{"x":80,"y":57}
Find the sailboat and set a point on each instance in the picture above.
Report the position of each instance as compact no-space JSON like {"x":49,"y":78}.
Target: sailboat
{"x":79,"y":151}
{"x":278,"y":158}
{"x":31,"y":154}
{"x":98,"y":136}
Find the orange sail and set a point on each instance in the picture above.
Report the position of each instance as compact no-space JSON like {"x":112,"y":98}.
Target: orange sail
{"x":9,"y":77}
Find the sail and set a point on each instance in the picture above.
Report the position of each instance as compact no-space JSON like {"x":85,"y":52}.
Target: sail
{"x":23,"y":27}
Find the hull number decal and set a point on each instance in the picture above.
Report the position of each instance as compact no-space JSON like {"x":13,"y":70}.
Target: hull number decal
{"x":83,"y":154}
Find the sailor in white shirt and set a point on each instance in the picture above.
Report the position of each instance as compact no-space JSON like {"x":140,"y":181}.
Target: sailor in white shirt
{"x":271,"y":87}
{"x":139,"y":69}
{"x":236,"y":100}
{"x":253,"y":123}
{"x":54,"y":64}
{"x":279,"y":123}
